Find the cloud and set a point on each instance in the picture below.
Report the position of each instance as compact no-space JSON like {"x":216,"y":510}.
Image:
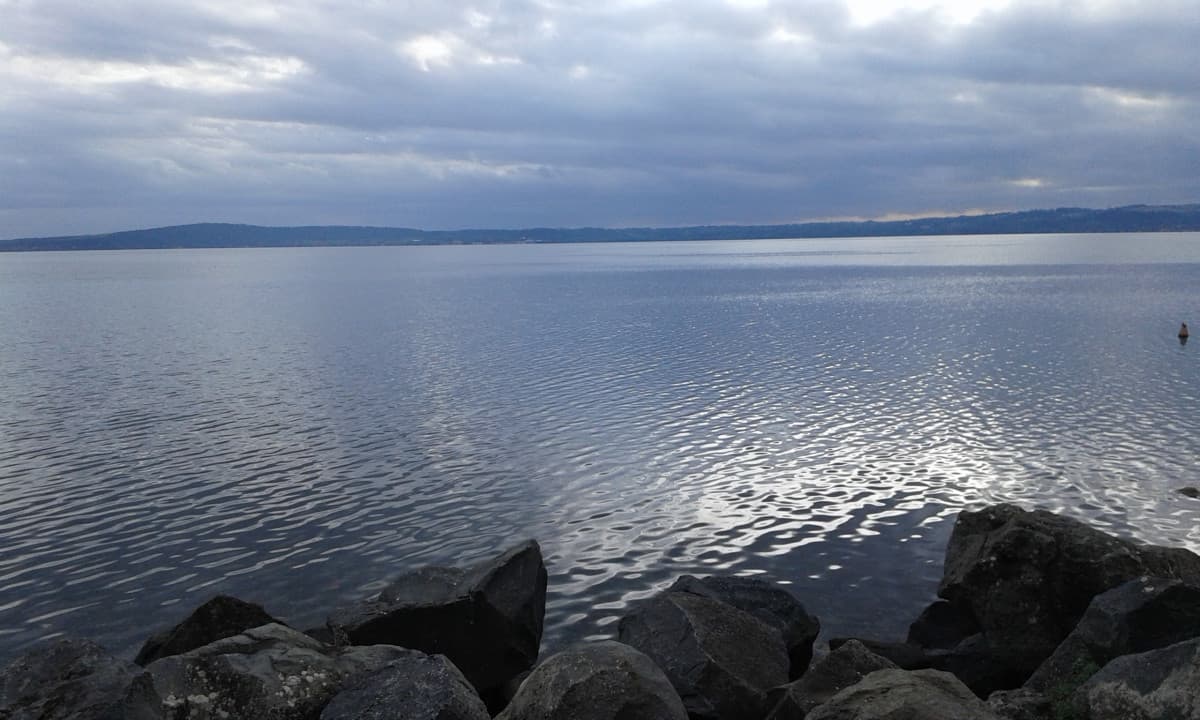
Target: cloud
{"x":130,"y":113}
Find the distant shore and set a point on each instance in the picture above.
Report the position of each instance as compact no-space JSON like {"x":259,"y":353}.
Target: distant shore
{"x":1131,"y":218}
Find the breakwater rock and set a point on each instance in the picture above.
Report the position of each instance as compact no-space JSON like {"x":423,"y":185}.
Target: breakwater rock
{"x":1040,"y":618}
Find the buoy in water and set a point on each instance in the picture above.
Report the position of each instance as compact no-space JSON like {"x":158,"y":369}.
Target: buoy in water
{"x":1183,"y":331}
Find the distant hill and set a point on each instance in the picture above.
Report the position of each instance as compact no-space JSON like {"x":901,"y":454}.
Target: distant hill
{"x":1132,"y":218}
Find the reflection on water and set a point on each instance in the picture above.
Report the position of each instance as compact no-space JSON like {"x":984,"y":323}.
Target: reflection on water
{"x":297,"y":426}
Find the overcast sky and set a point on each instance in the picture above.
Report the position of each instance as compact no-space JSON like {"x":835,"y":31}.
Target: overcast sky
{"x":119,"y":114}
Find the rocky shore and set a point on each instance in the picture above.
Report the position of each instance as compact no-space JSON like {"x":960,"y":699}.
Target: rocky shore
{"x":1039,"y":617}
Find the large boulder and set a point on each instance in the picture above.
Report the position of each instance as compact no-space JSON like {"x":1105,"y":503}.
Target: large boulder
{"x":414,"y":685}
{"x":1141,"y":615}
{"x":487,"y":618}
{"x":840,"y":669}
{"x":267,"y":672}
{"x":596,"y":681}
{"x":1161,"y":684}
{"x":1027,"y":576}
{"x":904,"y":695}
{"x":770,"y":603}
{"x":69,"y":679}
{"x":220,"y":617}
{"x":721,"y":660}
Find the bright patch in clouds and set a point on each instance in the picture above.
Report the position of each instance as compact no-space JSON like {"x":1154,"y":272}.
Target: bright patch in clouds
{"x":242,"y":74}
{"x":868,"y":12}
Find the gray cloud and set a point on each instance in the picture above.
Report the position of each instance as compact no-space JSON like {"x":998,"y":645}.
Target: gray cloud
{"x":132,"y":113}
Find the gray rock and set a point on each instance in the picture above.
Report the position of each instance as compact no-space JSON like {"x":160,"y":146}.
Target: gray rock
{"x":218,"y":618}
{"x":267,"y":672}
{"x":719,"y":659}
{"x":904,"y":695}
{"x":1161,"y":684}
{"x":1020,"y":704}
{"x":1028,"y":576}
{"x":843,"y":667}
{"x":69,"y":679}
{"x":487,"y":619}
{"x":596,"y":681}
{"x":770,"y":603}
{"x":1141,"y":615}
{"x":415,"y":686}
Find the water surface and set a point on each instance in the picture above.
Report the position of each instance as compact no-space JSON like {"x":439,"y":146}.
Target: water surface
{"x":295,"y":426}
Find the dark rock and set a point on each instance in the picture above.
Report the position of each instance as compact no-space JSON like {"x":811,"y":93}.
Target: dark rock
{"x":904,"y":695}
{"x":942,"y":626}
{"x":267,"y":672}
{"x":415,"y":685}
{"x":1161,"y":684}
{"x":1141,"y":615}
{"x":1028,"y":576}
{"x":770,"y":603}
{"x":487,"y":619}
{"x":843,"y":667}
{"x":218,"y":618}
{"x":719,"y":659}
{"x":971,"y":661}
{"x":69,"y":679}
{"x":1020,"y":704}
{"x":1191,"y":492}
{"x":597,"y":681}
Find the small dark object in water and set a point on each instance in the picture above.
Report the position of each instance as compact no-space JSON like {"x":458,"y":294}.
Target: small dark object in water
{"x":1183,"y":331}
{"x":1190,"y":492}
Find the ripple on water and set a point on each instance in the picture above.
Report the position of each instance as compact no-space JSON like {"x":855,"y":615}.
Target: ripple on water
{"x":300,"y":442}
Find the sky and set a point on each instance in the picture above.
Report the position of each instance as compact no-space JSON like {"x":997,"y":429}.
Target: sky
{"x":122,"y":114}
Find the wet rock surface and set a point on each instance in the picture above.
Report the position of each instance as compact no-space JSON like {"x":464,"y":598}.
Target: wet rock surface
{"x":721,"y":660}
{"x":596,"y":681}
{"x":65,"y":679}
{"x":221,"y":617}
{"x":268,"y":672}
{"x":487,"y":618}
{"x":896,"y":694}
{"x":1161,"y":684}
{"x":771,"y":604}
{"x":843,"y":667}
{"x":414,"y":685}
{"x":1028,"y":576}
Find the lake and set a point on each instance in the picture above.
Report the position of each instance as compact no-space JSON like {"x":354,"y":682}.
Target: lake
{"x":297,"y":426}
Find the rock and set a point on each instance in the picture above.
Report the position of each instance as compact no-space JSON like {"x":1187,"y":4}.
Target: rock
{"x":218,"y":618}
{"x":719,"y":659}
{"x":1020,"y":704}
{"x":414,"y":685}
{"x":1192,"y":492}
{"x":267,"y":672}
{"x":971,"y":661}
{"x":1141,"y":615}
{"x":942,"y":626}
{"x":596,"y":681}
{"x":1161,"y":684}
{"x":68,"y":679}
{"x":843,"y":667}
{"x":487,"y":619}
{"x":1028,"y":576}
{"x":770,"y":603}
{"x":904,"y":695}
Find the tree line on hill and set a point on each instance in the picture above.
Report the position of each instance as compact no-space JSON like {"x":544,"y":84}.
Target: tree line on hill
{"x":1131,"y":218}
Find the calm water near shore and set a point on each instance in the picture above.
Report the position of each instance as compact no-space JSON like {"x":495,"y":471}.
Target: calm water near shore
{"x":295,"y":426}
